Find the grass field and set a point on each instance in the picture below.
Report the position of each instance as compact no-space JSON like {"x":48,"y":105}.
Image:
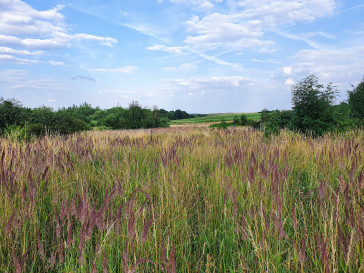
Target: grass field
{"x":213,"y":118}
{"x":191,"y":199}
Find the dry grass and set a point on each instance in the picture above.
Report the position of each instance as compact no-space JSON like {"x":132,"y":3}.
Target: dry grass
{"x":189,"y":200}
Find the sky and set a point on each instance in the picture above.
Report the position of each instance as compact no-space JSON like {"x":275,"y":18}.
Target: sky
{"x":201,"y":56}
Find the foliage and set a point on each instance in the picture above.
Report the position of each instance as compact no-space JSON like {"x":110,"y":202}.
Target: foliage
{"x":312,"y":111}
{"x":343,"y":118}
{"x":240,"y":121}
{"x":44,"y":120}
{"x":356,"y":101}
{"x":222,"y":125}
{"x":265,"y":115}
{"x":11,"y":113}
{"x":65,"y":123}
{"x":17,"y":133}
{"x":274,"y":121}
{"x":174,"y":115}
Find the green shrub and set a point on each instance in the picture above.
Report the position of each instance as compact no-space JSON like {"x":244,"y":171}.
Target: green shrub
{"x":17,"y":133}
{"x":37,"y":129}
{"x":240,"y":121}
{"x":356,"y":101}
{"x":221,"y":125}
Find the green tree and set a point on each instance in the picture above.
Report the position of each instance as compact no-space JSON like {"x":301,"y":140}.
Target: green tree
{"x":11,"y":113}
{"x":134,"y":115}
{"x":356,"y":101}
{"x":312,"y":106}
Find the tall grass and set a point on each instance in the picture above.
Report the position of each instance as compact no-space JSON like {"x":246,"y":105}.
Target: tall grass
{"x":188,"y":200}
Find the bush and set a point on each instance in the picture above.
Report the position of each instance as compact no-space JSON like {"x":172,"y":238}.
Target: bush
{"x":276,"y":120}
{"x":240,"y":121}
{"x":272,"y":124}
{"x":254,"y":123}
{"x":37,"y":129}
{"x":64,"y":123}
{"x":18,"y":133}
{"x":221,"y":125}
{"x":312,"y":111}
{"x":356,"y":101}
{"x":12,"y":113}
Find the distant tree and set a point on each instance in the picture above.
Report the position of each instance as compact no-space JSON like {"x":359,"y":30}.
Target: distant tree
{"x":312,"y":111}
{"x":179,"y":114}
{"x":264,"y":115}
{"x":356,"y":101}
{"x":113,"y":118}
{"x":134,"y":115}
{"x":65,"y":123}
{"x":42,"y":120}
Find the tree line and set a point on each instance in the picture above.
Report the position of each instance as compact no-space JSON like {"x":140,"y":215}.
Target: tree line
{"x":313,"y":112}
{"x":43,"y":120}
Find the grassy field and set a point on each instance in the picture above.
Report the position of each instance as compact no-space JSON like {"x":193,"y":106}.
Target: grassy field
{"x":213,"y":118}
{"x":189,"y":200}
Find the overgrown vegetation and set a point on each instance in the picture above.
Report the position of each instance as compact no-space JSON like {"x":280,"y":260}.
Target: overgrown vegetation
{"x":314,"y":112}
{"x":190,"y":199}
{"x":45,"y":120}
{"x":356,"y":101}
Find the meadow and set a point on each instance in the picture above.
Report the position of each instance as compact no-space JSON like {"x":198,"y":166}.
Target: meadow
{"x":214,"y":118}
{"x":190,"y":199}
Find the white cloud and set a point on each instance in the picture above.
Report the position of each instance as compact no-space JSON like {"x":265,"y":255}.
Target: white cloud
{"x":182,"y":67}
{"x":107,"y":41}
{"x":289,"y":82}
{"x":126,"y":69}
{"x":18,"y":18}
{"x":15,"y":81}
{"x":207,"y":83}
{"x":7,"y":50}
{"x":27,"y":28}
{"x":80,"y":77}
{"x":40,"y":84}
{"x":341,"y":66}
{"x":319,"y":33}
{"x":13,"y":59}
{"x":269,"y":61}
{"x":287,"y":70}
{"x":12,"y":75}
{"x":168,"y":49}
{"x":218,"y":30}
{"x":245,"y":26}
{"x":206,"y":4}
{"x":54,"y":63}
{"x":304,"y":38}
{"x":273,"y":13}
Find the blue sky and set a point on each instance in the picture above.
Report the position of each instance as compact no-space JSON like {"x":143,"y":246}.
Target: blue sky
{"x":202,"y":56}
